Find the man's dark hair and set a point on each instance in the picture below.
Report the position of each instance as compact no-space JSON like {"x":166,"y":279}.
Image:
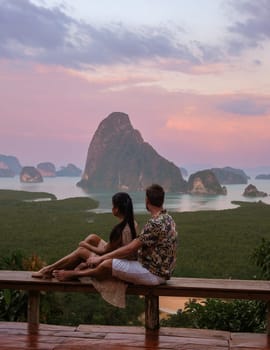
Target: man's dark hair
{"x":155,"y":194}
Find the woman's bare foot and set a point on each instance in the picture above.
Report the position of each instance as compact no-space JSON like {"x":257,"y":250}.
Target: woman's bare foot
{"x":45,"y":272}
{"x":37,"y":274}
{"x":64,"y":275}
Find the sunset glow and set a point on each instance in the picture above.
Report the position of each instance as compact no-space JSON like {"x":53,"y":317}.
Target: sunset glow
{"x":193,"y":78}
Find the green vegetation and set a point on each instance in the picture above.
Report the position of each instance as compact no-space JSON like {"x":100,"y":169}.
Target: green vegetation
{"x":219,"y":244}
{"x":212,"y":244}
{"x":24,"y":195}
{"x":46,"y":228}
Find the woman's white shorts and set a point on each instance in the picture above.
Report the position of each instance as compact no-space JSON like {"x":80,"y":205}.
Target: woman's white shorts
{"x":132,"y":271}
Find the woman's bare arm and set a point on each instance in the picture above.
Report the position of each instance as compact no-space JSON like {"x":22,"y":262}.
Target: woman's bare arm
{"x":119,"y":253}
{"x":108,"y":247}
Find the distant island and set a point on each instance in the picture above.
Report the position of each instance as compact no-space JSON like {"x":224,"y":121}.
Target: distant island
{"x":205,"y":182}
{"x":252,"y":191}
{"x":10,"y":167}
{"x":229,"y":176}
{"x":263,"y":177}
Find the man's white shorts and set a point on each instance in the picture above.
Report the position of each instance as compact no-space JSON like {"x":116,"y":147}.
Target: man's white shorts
{"x":132,"y":271}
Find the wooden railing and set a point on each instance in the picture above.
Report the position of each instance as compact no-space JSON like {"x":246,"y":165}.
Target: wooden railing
{"x":177,"y":286}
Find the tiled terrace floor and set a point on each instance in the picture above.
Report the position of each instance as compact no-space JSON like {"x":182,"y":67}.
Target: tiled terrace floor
{"x":87,"y":337}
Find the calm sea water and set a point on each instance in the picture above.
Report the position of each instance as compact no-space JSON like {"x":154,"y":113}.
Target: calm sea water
{"x":65,"y":187}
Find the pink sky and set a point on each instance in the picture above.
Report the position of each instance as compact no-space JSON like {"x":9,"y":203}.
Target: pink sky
{"x":195,"y":98}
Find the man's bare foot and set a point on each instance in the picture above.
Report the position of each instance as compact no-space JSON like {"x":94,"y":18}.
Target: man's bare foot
{"x":81,"y":266}
{"x":64,"y":275}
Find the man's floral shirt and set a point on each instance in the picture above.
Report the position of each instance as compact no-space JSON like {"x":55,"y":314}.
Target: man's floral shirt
{"x":159,"y":245}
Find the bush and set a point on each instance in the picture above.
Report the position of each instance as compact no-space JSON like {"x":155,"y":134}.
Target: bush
{"x":261,"y":257}
{"x":13,"y":303}
{"x":236,"y":315}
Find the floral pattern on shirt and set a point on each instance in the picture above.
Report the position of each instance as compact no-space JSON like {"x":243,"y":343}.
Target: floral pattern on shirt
{"x":159,"y":244}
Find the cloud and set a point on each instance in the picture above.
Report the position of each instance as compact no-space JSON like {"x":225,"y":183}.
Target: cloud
{"x":48,"y":35}
{"x":254,"y":26}
{"x":23,"y":24}
{"x":245,"y":107}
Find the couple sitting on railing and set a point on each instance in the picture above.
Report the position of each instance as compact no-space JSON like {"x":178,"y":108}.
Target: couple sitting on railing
{"x":147,"y":258}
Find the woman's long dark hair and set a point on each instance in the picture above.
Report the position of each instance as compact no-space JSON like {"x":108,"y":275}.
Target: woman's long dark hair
{"x":123,"y":203}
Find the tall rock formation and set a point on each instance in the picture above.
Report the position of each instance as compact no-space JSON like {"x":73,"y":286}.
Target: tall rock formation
{"x":119,"y":159}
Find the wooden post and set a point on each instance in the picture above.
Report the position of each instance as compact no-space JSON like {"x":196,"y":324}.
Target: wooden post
{"x":151,"y":312}
{"x":33,"y":308}
{"x":268,"y":318}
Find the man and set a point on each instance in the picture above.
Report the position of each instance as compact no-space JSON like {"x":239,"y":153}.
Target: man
{"x":156,"y":246}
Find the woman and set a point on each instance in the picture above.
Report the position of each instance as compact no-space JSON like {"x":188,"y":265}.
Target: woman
{"x":121,"y":234}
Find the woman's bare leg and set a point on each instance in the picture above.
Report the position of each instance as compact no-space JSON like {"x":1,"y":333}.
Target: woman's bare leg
{"x":102,"y":271}
{"x":69,"y":261}
{"x":73,"y":260}
{"x":93,"y":239}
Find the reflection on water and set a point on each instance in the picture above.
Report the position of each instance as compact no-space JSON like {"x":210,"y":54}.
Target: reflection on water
{"x":65,"y":187}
